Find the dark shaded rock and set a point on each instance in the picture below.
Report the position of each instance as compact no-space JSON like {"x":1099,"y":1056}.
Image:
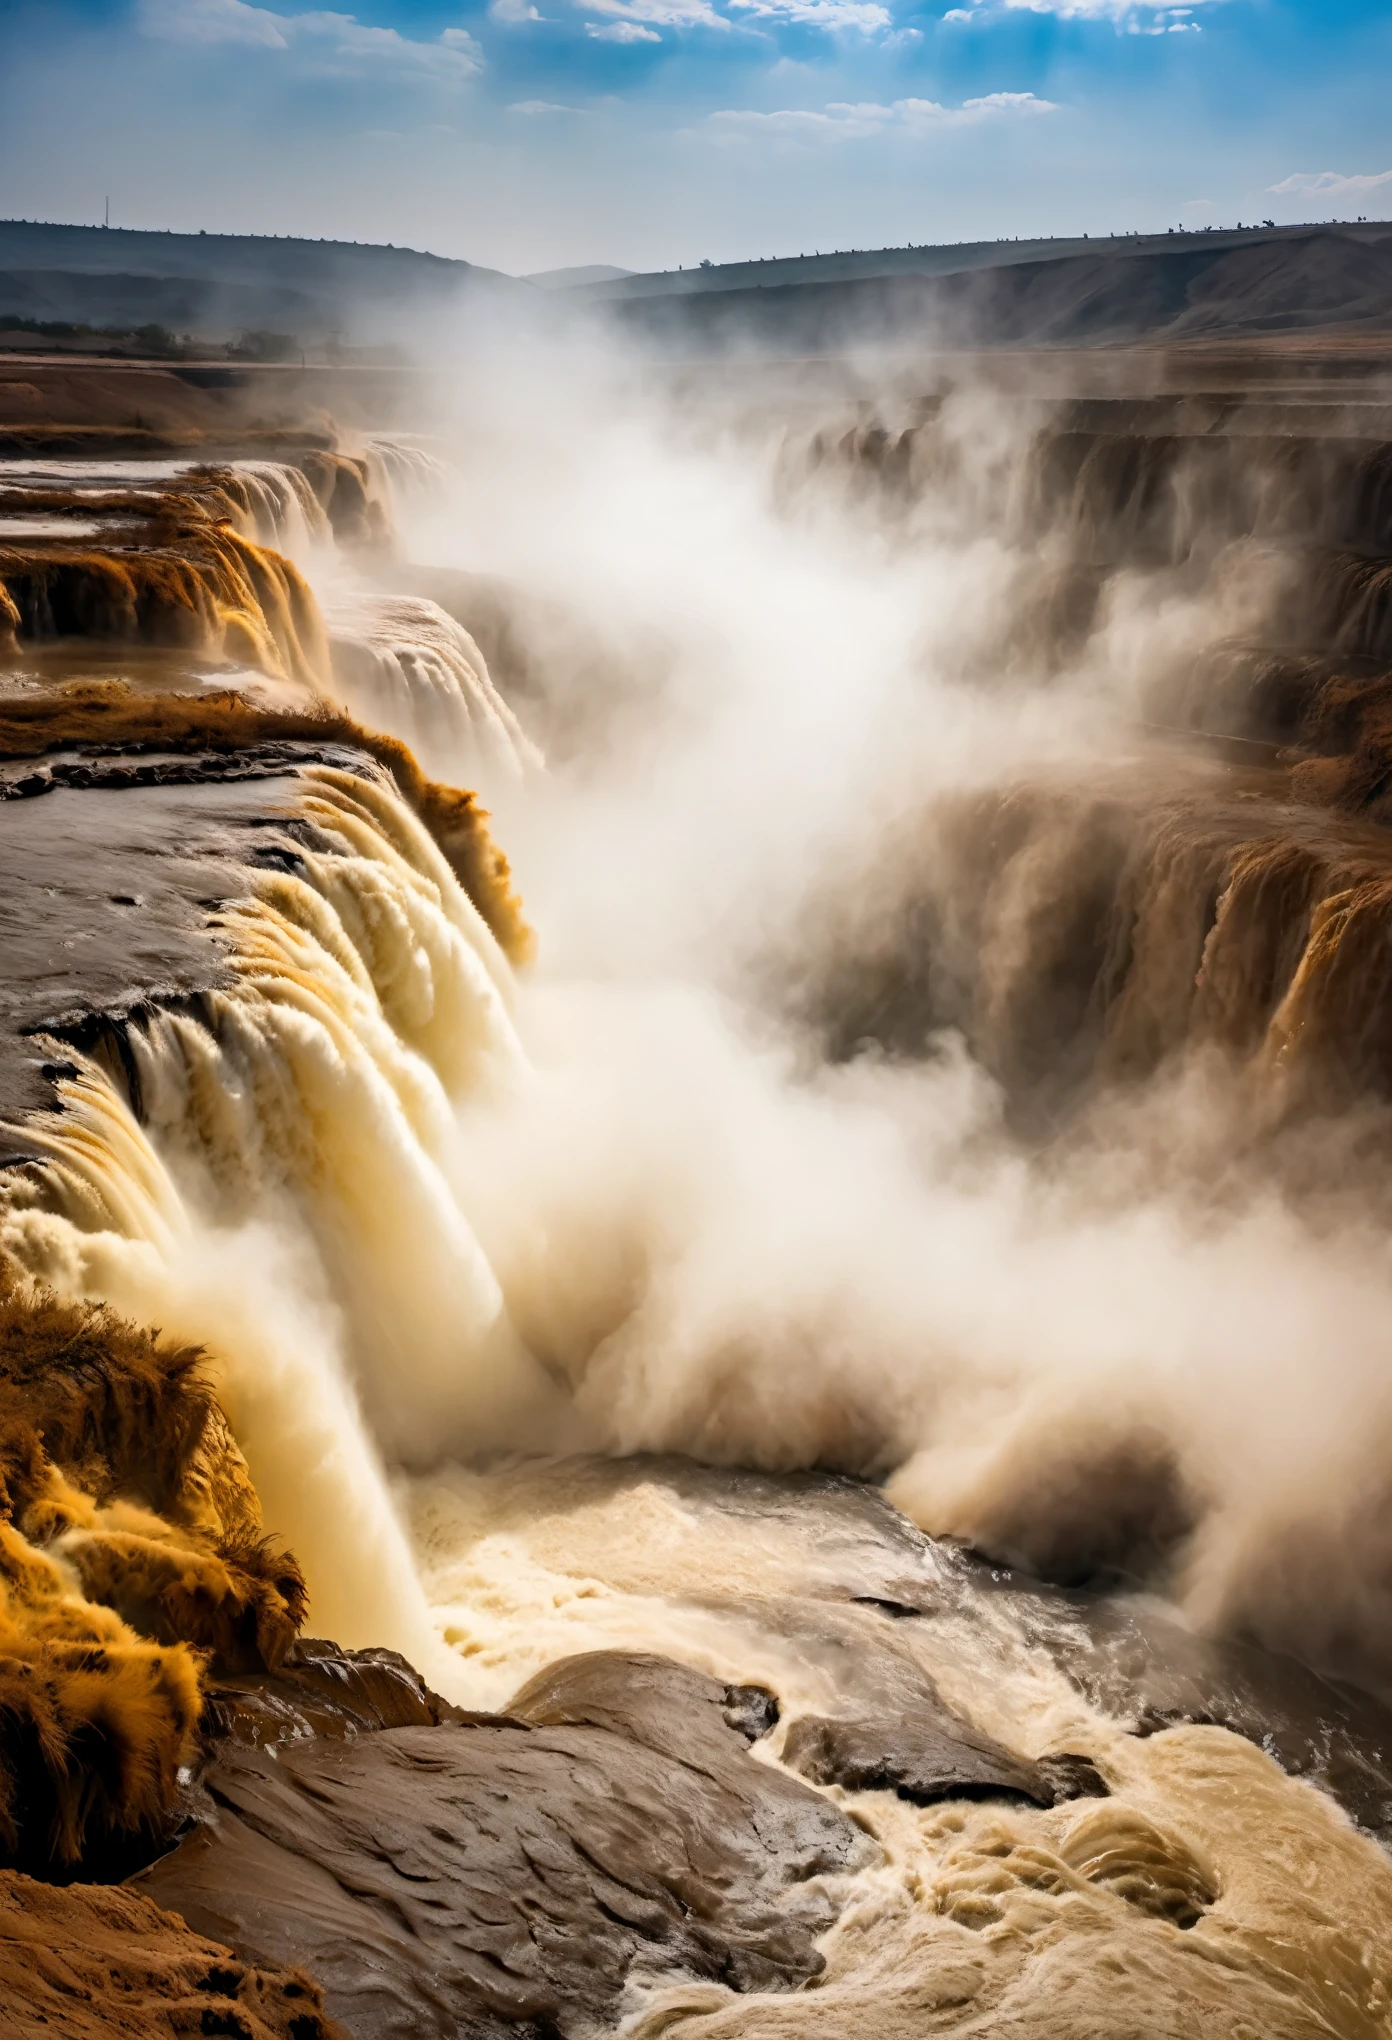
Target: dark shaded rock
{"x":1138,"y":1662}
{"x":1141,"y":1666}
{"x":116,"y":771}
{"x":488,"y":1873}
{"x":931,"y":1754}
{"x":652,"y":1699}
{"x":1070,"y":1776}
{"x":105,"y":887}
{"x":321,"y":1690}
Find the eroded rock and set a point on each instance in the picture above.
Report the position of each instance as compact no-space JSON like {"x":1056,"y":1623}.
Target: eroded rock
{"x":94,"y":1962}
{"x":484,"y":1874}
{"x":931,"y":1754}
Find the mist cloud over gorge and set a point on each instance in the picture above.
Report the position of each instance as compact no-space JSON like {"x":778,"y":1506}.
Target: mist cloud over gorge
{"x":814,"y":1136}
{"x":1125,"y":1347}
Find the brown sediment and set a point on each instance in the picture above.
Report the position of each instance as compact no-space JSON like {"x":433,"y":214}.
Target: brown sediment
{"x":97,"y":1721}
{"x":131,"y":1547}
{"x":97,"y":1963}
{"x":139,"y":407}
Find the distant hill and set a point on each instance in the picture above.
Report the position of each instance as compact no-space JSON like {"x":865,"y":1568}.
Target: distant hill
{"x":1238,"y":284}
{"x":938,"y":259}
{"x":218,"y":285}
{"x":1173,"y":287}
{"x":569,"y":279}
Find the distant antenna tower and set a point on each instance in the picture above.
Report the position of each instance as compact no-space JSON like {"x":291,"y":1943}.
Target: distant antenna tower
{"x":107,"y":220}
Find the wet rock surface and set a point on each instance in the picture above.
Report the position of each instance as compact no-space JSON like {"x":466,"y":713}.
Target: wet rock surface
{"x":1136,"y":1662}
{"x":485,"y":1874}
{"x":869,"y":1577}
{"x":1143,"y":1665}
{"x":931,"y":1754}
{"x":104,"y":898}
{"x":320,"y":1690}
{"x":110,"y":863}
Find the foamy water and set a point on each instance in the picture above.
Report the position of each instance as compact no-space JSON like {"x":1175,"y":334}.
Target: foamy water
{"x":15,"y":526}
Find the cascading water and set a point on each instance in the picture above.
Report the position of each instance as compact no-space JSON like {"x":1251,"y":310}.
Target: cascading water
{"x":409,"y":468}
{"x":299,"y":1196}
{"x":427,"y":1218}
{"x":303,"y":1125}
{"x":231,"y":587}
{"x":402,"y":665}
{"x":282,"y":509}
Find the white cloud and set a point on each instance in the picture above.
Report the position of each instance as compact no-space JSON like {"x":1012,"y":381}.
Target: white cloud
{"x":1137,"y":17}
{"x":842,"y":120}
{"x":984,"y":108}
{"x":640,"y":20}
{"x":789,"y":121}
{"x":632,"y":21}
{"x":1331,"y":184}
{"x":340,"y":39}
{"x":513,"y":13}
{"x":541,"y":106}
{"x":213,"y":21}
{"x":863,"y":15}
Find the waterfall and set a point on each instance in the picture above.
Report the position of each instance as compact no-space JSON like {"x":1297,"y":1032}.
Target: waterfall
{"x":287,"y":1194}
{"x":280,"y":507}
{"x":930,"y":1078}
{"x":407,"y":468}
{"x":402,"y":665}
{"x":227,"y":580}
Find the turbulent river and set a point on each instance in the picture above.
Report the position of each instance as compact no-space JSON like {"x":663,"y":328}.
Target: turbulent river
{"x":863,"y":1176}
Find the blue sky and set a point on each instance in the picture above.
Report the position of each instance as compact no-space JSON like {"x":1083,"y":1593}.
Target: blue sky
{"x":532,"y":133}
